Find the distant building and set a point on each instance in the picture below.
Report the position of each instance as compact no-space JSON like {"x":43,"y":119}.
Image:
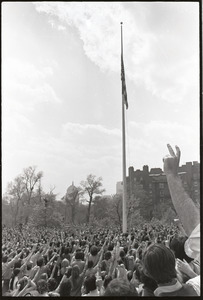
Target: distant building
{"x":119,"y":187}
{"x":155,"y":184}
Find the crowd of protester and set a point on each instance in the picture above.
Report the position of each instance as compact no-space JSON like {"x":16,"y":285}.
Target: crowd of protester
{"x":149,"y":260}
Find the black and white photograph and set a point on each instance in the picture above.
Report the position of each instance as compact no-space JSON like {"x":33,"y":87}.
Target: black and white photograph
{"x":100,"y":132}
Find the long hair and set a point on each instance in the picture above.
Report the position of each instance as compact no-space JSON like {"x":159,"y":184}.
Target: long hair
{"x":22,"y":282}
{"x":16,"y":271}
{"x":90,"y":283}
{"x":75,"y":274}
{"x":177,"y":245}
{"x":65,"y":288}
{"x":42,"y":286}
{"x":159,"y":263}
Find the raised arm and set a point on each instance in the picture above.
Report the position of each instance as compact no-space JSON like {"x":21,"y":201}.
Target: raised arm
{"x":50,"y":261}
{"x":27,"y":259}
{"x":98,"y":265}
{"x":35,"y":257}
{"x":11,"y":263}
{"x":102,"y":248}
{"x":113,"y":263}
{"x":187,"y":211}
{"x":62,"y":280}
{"x":86,"y":262}
{"x":30,"y":286}
{"x":54,"y":269}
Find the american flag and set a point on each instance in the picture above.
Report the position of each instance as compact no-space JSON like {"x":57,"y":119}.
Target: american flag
{"x":124,"y":91}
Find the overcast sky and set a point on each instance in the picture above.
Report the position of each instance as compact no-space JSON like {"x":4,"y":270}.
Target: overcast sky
{"x":61,"y":88}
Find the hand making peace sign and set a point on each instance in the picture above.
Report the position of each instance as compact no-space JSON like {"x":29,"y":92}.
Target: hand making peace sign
{"x":171,"y":162}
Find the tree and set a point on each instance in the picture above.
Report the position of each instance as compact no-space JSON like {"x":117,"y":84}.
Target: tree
{"x":81,"y":214}
{"x":168,"y":216}
{"x":115,"y":210}
{"x":30,"y":179}
{"x":15,"y":192}
{"x":100,"y":207}
{"x":91,"y":186}
{"x":46,"y":214}
{"x":20,"y":192}
{"x":140,"y":201}
{"x":164,"y":210}
{"x":7,"y":212}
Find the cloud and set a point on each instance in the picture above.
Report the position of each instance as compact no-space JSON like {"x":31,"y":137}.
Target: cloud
{"x":92,"y":140}
{"x":61,"y":28}
{"x":162,"y":59}
{"x":78,"y":151}
{"x":162,"y":132}
{"x":149,"y":138}
{"x":54,"y":25}
{"x":81,"y":128}
{"x":25,"y":85}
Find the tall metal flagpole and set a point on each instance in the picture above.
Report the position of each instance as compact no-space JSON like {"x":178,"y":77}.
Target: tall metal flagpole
{"x":123,"y":144}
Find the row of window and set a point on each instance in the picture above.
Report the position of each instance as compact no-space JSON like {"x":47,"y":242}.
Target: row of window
{"x":162,"y":185}
{"x":161,"y":192}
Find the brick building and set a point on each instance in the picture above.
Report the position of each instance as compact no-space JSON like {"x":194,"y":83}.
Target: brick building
{"x":155,"y":184}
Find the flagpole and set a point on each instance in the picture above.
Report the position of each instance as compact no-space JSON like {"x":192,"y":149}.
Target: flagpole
{"x":124,"y":152}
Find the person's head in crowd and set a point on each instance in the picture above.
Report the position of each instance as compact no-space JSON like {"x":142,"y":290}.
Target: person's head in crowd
{"x":90,"y":283}
{"x":65,"y":288}
{"x":110,"y":247}
{"x":94,"y":250}
{"x":129,"y":275}
{"x":122,"y":253}
{"x":103,"y":274}
{"x":22,"y":283}
{"x":159,"y":263}
{"x":4,"y":259}
{"x":27,"y":251}
{"x":107,"y":255}
{"x":45,"y":259}
{"x":177,"y":245}
{"x":75,"y":272}
{"x":148,"y":282}
{"x":120,"y":261}
{"x":79,"y":255}
{"x":136,"y":245}
{"x":40,"y":262}
{"x":107,"y":280}
{"x":82,"y":243}
{"x":22,"y":255}
{"x":51,"y":284}
{"x":137,"y":270}
{"x":29,"y":266}
{"x":15,"y":273}
{"x":67,"y":250}
{"x":19,"y":250}
{"x":17,"y":264}
{"x":44,"y":276}
{"x":65,"y":263}
{"x":125,"y":249}
{"x":90,"y":264}
{"x":42,"y":286}
{"x":120,"y":287}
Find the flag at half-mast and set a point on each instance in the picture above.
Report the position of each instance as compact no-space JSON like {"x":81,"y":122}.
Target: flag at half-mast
{"x":124,"y":91}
